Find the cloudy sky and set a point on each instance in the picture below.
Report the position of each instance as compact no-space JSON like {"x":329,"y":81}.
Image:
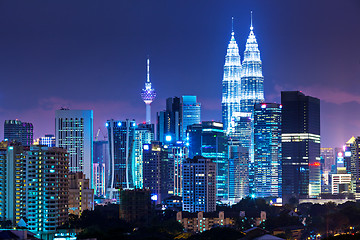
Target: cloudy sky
{"x":92,"y":55}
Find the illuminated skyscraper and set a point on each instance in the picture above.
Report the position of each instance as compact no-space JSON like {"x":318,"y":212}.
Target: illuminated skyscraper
{"x":144,"y":134}
{"x":121,"y":135}
{"x":148,"y":94}
{"x":100,"y":167}
{"x":74,"y":132}
{"x":267,"y":150}
{"x":208,"y":139}
{"x":300,"y":145}
{"x":251,"y":89}
{"x":158,"y":171}
{"x":169,"y":121}
{"x":190,"y":113}
{"x":231,"y":83}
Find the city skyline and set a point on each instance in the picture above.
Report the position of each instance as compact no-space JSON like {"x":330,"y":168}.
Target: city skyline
{"x":44,"y":50}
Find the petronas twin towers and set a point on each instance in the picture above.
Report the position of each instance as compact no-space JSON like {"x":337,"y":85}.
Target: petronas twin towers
{"x":242,"y":83}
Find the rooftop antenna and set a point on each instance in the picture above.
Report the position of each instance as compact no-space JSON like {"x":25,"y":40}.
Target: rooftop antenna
{"x":251,"y":25}
{"x":232,"y":24}
{"x":148,"y":70}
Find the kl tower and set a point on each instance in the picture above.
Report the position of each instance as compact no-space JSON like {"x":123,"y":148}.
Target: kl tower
{"x":148,"y":94}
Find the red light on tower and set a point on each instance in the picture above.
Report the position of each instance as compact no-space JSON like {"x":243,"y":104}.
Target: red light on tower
{"x":315,"y":164}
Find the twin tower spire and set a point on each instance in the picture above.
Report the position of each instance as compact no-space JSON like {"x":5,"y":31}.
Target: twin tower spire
{"x":242,"y":82}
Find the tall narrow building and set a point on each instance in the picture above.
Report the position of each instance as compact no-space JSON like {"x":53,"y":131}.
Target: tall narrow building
{"x":251,"y":90}
{"x":148,"y":94}
{"x":169,"y":121}
{"x":190,"y":113}
{"x":267,"y":154}
{"x":300,"y":146}
{"x":121,"y":135}
{"x":252,"y":87}
{"x":231,"y":83}
{"x":74,"y":132}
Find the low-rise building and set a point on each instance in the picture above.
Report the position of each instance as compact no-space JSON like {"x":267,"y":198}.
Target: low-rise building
{"x":81,"y":196}
{"x":135,"y":205}
{"x":199,"y":222}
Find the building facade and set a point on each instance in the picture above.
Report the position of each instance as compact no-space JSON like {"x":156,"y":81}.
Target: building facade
{"x":199,"y":188}
{"x":158,"y":171}
{"x":238,"y":172}
{"x":12,"y":182}
{"x":231,"y":84}
{"x":300,"y":145}
{"x":169,"y":121}
{"x":47,"y":188}
{"x":352,"y":156}
{"x":208,"y":139}
{"x":100,"y":167}
{"x":252,"y":80}
{"x":121,"y":136}
{"x":190,"y":113}
{"x":74,"y":132}
{"x":81,"y":196}
{"x":267,"y":150}
{"x":144,"y":134}
{"x":22,"y":132}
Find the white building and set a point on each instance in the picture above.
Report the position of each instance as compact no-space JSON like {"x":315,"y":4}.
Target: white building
{"x":74,"y":132}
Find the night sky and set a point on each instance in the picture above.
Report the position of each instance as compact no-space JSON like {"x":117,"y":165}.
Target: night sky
{"x":92,"y":55}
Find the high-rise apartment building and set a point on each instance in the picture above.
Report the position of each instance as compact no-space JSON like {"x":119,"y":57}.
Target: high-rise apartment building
{"x":12,"y":182}
{"x":199,"y":189}
{"x":22,"y":132}
{"x":231,"y":84}
{"x":300,"y":145}
{"x":144,"y":134}
{"x":190,"y":113}
{"x":74,"y":132}
{"x":100,"y":167}
{"x":121,"y":136}
{"x":208,"y":139}
{"x":169,"y":121}
{"x":158,"y":171}
{"x":47,"y":188}
{"x":267,"y":150}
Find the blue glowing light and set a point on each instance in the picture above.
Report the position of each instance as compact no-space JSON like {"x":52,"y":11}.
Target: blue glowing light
{"x":106,"y":124}
{"x":168,"y":138}
{"x":119,"y":124}
{"x":154,"y":197}
{"x":146,"y":147}
{"x":252,"y":196}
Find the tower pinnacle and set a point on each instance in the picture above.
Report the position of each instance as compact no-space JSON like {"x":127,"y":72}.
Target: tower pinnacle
{"x":232,"y":26}
{"x":148,"y":94}
{"x":251,"y":25}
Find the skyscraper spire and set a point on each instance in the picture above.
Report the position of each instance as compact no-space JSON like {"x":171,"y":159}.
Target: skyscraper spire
{"x":252,"y":80}
{"x":232,"y":25}
{"x":148,"y":94}
{"x":251,"y":26}
{"x":231,"y":82}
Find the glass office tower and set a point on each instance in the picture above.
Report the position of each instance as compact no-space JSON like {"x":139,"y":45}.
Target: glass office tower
{"x":300,"y":145}
{"x":267,"y":150}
